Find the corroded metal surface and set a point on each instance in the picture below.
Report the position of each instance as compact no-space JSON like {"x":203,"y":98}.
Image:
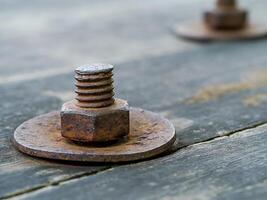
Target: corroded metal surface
{"x":95,"y":125}
{"x":226,"y":16}
{"x":94,"y":69}
{"x":150,"y":135}
{"x":200,"y":32}
{"x":95,"y":115}
{"x":94,"y":85}
{"x":225,"y":20}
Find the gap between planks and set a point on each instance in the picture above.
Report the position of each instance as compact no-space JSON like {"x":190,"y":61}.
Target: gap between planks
{"x":55,"y":183}
{"x":86,"y":174}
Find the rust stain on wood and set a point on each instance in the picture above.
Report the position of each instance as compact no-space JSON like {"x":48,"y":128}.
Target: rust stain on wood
{"x":253,"y":80}
{"x":255,"y":100}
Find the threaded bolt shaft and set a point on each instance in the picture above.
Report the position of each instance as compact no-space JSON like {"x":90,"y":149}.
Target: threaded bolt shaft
{"x":94,"y":86}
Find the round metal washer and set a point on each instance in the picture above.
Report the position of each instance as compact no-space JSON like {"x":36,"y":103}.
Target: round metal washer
{"x":200,"y":32}
{"x":150,"y":135}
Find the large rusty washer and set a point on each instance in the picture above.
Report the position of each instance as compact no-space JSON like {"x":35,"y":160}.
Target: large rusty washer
{"x":199,"y":31}
{"x":150,"y":134}
{"x":225,"y":22}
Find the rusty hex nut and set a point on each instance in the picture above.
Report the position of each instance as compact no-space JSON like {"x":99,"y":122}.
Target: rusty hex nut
{"x":231,"y":19}
{"x":95,"y":125}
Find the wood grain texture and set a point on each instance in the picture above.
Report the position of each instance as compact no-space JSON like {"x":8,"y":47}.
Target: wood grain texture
{"x":37,"y":46}
{"x":215,"y":90}
{"x":19,"y":173}
{"x":231,"y":167}
{"x":209,"y":90}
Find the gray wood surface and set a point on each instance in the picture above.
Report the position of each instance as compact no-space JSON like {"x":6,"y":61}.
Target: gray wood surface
{"x":226,"y":168}
{"x":210,"y":91}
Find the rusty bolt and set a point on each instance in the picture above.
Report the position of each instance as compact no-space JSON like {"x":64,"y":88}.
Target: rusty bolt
{"x":95,"y":115}
{"x":226,"y":16}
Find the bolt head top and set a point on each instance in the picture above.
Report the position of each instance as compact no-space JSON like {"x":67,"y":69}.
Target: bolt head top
{"x":94,"y":68}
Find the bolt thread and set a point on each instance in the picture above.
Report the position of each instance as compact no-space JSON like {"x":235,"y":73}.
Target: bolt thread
{"x":94,"y":88}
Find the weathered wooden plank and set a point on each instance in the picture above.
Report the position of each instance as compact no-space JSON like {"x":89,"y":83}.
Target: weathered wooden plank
{"x":36,"y":44}
{"x":215,"y":90}
{"x":231,"y":167}
{"x":205,"y":113}
{"x":163,"y":78}
{"x":19,"y":173}
{"x":110,"y":31}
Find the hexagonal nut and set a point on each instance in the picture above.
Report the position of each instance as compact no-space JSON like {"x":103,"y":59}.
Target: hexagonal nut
{"x":226,"y":20}
{"x":95,"y":125}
